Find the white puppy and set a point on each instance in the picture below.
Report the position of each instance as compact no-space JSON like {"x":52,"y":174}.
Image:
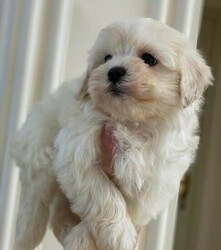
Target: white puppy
{"x":145,"y":83}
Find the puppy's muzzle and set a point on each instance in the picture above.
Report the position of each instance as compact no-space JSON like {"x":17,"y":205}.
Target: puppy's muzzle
{"x":116,"y":74}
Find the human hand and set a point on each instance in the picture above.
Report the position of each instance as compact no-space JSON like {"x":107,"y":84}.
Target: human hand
{"x":108,"y":144}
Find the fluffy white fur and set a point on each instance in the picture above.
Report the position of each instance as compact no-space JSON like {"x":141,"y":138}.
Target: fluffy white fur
{"x":154,"y":124}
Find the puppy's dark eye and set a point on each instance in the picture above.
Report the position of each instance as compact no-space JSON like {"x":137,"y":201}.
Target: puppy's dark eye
{"x":107,"y":57}
{"x":149,"y":59}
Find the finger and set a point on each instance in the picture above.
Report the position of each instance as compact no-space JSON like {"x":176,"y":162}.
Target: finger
{"x":108,"y":143}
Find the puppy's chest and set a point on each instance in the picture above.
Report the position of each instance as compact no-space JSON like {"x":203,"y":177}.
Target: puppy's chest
{"x":131,"y":143}
{"x":131,"y":164}
{"x":128,"y":138}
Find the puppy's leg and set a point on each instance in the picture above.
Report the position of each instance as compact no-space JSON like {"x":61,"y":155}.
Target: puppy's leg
{"x":62,"y":219}
{"x":72,"y":234}
{"x":34,"y":209}
{"x":104,"y":211}
{"x":33,"y":151}
{"x":93,"y":196}
{"x":80,"y":238}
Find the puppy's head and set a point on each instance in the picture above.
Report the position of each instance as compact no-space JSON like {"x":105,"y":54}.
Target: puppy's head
{"x":143,"y":69}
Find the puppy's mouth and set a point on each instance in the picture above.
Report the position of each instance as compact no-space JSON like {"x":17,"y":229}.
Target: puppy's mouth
{"x":115,"y":90}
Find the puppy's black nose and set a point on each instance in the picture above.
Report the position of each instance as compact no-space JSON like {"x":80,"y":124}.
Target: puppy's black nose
{"x":115,"y":74}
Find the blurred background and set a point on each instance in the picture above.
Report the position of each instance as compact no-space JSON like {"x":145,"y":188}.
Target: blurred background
{"x":45,"y":42}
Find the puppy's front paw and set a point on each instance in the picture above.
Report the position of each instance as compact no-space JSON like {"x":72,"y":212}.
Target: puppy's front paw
{"x":128,"y":238}
{"x":121,"y":236}
{"x":80,"y":238}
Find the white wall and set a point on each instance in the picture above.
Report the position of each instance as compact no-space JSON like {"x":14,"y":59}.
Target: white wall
{"x":89,"y":19}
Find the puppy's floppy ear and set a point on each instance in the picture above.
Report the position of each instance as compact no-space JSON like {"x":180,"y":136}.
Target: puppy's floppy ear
{"x":83,"y":94}
{"x":196,"y":76}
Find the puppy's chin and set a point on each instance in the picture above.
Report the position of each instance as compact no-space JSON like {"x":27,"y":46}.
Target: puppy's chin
{"x":138,"y":97}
